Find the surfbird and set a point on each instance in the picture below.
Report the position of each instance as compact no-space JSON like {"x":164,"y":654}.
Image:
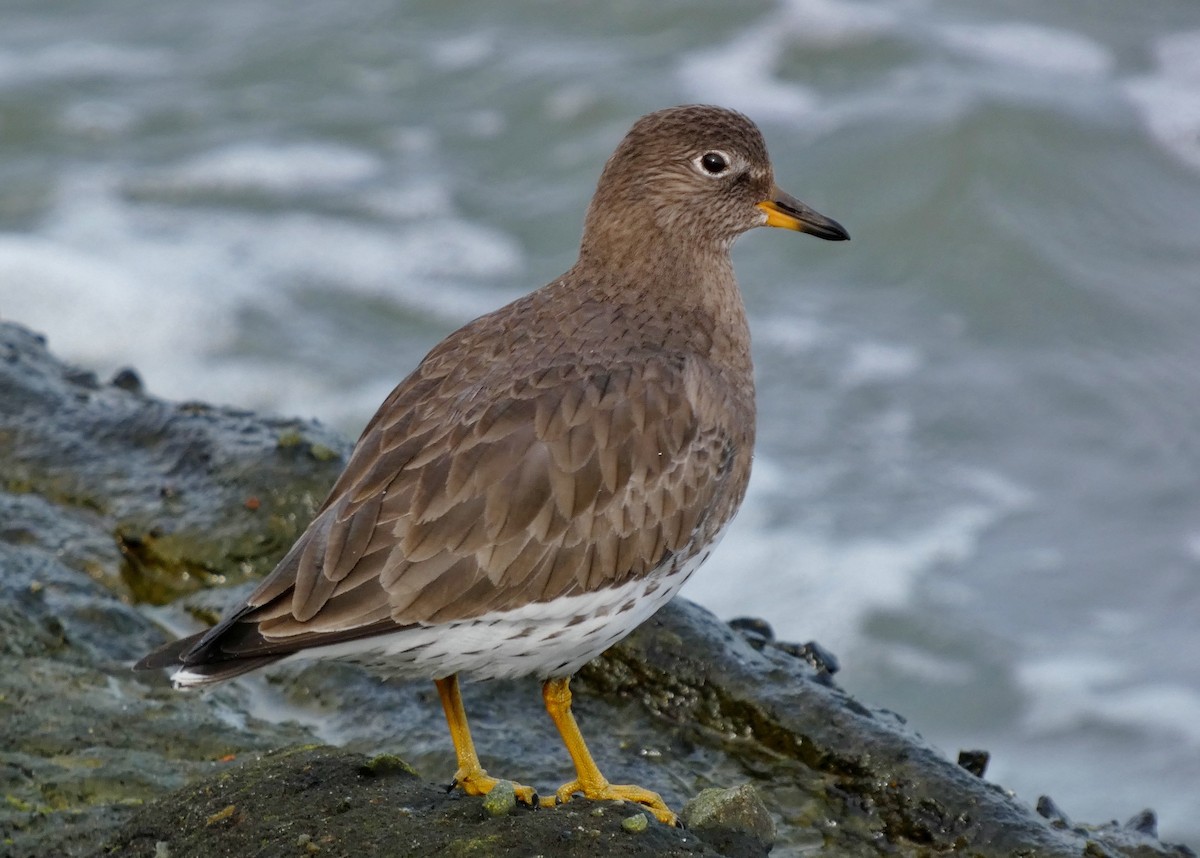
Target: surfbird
{"x":551,"y":473}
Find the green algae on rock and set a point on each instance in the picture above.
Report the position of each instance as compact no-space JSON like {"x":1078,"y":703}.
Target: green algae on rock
{"x":170,"y":481}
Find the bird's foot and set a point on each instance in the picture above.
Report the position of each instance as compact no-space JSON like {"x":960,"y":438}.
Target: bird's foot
{"x":605,"y":791}
{"x":479,"y":782}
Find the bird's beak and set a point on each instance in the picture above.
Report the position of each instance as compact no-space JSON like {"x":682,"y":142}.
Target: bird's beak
{"x":785,"y":211}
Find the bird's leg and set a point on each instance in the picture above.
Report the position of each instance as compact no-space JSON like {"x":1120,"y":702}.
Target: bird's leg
{"x":557,"y":695}
{"x":470,"y":777}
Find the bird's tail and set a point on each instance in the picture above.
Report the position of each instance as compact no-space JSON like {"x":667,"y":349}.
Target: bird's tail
{"x":201,"y":671}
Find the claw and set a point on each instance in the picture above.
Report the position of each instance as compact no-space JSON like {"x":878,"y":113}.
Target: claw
{"x":652,"y":801}
{"x":526,"y":795}
{"x":479,"y":782}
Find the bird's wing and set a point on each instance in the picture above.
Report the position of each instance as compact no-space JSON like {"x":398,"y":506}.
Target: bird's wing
{"x":570,"y":479}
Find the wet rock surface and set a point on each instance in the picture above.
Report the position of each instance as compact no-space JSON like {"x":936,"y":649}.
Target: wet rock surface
{"x":734,"y":820}
{"x":352,"y":808}
{"x":112,"y":502}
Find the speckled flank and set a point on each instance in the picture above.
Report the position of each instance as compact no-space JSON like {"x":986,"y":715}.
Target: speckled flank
{"x":540,"y":639}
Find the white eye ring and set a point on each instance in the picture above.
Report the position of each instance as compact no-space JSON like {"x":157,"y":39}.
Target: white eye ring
{"x":713,"y":163}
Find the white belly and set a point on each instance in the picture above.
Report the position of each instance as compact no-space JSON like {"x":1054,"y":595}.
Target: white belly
{"x":541,"y":639}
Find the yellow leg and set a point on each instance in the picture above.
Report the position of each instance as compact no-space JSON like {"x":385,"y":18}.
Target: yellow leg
{"x":470,"y":777}
{"x":557,"y":695}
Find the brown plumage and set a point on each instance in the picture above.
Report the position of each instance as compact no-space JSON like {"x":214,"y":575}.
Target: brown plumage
{"x":554,"y":470}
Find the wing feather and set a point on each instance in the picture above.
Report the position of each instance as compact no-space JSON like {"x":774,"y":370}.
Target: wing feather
{"x":458,"y":503}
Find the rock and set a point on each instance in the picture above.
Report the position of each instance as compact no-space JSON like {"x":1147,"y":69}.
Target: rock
{"x":733,"y":821}
{"x":89,"y":473}
{"x":974,"y":761}
{"x":122,"y":516}
{"x":502,"y":800}
{"x":324,"y":801}
{"x":165,"y":485}
{"x":1145,"y":822}
{"x":636,"y":824}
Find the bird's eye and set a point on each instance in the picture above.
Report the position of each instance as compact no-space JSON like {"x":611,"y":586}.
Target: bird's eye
{"x":714,"y":163}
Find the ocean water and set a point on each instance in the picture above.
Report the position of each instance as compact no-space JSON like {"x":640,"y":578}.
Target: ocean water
{"x":977,"y":475}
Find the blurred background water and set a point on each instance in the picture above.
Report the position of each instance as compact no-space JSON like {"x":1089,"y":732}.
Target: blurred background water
{"x":976,"y":478}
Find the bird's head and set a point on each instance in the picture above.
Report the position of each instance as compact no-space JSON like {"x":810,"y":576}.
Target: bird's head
{"x":695,"y":175}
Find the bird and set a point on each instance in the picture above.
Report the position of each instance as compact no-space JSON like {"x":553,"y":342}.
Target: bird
{"x":552,"y":472}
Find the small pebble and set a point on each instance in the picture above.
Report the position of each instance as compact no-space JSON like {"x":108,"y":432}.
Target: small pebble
{"x":383,"y":765}
{"x":127,"y":379}
{"x":501,"y":800}
{"x":636,"y":823}
{"x":1145,"y":822}
{"x":306,"y":841}
{"x":974,"y":761}
{"x":221,"y":815}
